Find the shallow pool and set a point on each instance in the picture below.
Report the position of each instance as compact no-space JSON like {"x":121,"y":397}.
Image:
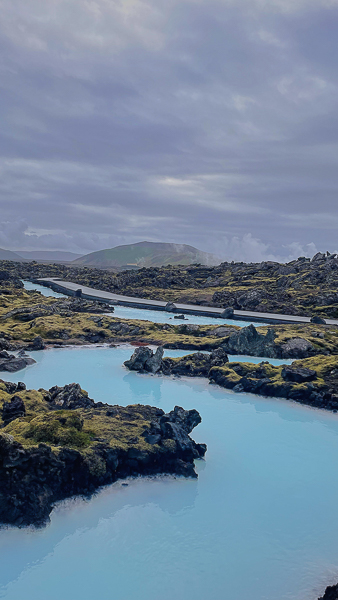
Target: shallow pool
{"x":259,"y":524}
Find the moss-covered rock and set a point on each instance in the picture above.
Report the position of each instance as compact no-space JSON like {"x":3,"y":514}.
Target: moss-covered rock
{"x":47,"y":454}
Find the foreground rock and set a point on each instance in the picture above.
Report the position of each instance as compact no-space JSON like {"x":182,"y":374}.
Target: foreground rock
{"x":58,"y":443}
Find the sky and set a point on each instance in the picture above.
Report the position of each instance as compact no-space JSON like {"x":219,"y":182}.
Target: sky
{"x":207,"y":122}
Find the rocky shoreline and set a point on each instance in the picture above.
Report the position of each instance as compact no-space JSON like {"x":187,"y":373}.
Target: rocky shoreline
{"x":59,"y":443}
{"x":310,"y":381}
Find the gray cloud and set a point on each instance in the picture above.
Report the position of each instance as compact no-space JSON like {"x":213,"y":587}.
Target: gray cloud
{"x":206,"y":122}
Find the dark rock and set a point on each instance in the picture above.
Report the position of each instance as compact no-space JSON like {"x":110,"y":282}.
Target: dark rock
{"x":139,"y":359}
{"x":194,"y":365}
{"x":298,"y":374}
{"x":176,"y":426}
{"x":13,"y":364}
{"x":70,"y":396}
{"x":249,"y":341}
{"x":318,"y":320}
{"x":331,"y":593}
{"x":296,"y":348}
{"x":318,"y":256}
{"x":179,"y":317}
{"x":170,"y":307}
{"x":222,"y":331}
{"x":144,"y":360}
{"x":37,"y":344}
{"x":190,"y":328}
{"x":13,"y":409}
{"x":153,"y":364}
{"x":228,"y":313}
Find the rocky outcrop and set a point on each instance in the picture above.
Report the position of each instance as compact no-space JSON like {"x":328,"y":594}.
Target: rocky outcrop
{"x":70,"y":396}
{"x":13,"y":409}
{"x":193,"y":365}
{"x":318,"y":320}
{"x":295,"y":348}
{"x":34,"y":477}
{"x":228,"y":313}
{"x":249,"y":341}
{"x":176,"y":426}
{"x":170,"y":307}
{"x":298,"y":374}
{"x":144,"y":360}
{"x":36,"y":344}
{"x":297,"y":382}
{"x":12,"y":364}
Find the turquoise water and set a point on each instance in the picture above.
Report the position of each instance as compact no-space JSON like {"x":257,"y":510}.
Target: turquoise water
{"x":260,"y":523}
{"x":45,"y":291}
{"x":156,"y":316}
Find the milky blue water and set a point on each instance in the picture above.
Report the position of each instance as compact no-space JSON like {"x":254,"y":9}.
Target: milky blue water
{"x":45,"y":291}
{"x":156,"y":316}
{"x":260,"y":523}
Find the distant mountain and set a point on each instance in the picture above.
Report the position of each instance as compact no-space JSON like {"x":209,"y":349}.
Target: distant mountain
{"x":49,"y":255}
{"x":8,"y":255}
{"x":147,"y":254}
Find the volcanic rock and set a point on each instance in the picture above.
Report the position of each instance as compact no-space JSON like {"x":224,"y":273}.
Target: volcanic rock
{"x":70,"y":396}
{"x":298,"y":375}
{"x":13,"y":409}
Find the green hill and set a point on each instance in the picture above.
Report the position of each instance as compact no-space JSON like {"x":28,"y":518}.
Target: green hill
{"x":147,"y":254}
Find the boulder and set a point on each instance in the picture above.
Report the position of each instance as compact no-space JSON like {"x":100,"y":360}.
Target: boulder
{"x":318,"y":320}
{"x":318,"y":256}
{"x":228,"y":313}
{"x":12,"y":364}
{"x":179,"y":317}
{"x":139,"y":359}
{"x":249,"y":341}
{"x":222,"y":331}
{"x":153,"y":364}
{"x":190,"y":328}
{"x":298,"y":374}
{"x":297,"y":348}
{"x":13,"y":409}
{"x":70,"y":396}
{"x":170,"y":307}
{"x":37,"y":344}
{"x":144,"y":360}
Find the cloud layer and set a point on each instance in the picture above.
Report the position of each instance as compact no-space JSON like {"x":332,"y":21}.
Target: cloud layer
{"x":206,"y":122}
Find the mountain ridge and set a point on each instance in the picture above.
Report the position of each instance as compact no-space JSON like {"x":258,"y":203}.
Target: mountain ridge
{"x":147,"y":254}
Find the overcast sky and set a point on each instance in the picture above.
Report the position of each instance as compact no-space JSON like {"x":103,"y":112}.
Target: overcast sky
{"x":212,"y":123}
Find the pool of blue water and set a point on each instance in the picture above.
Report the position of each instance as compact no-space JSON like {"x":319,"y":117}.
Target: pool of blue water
{"x":156,"y":316}
{"x":260,"y":523}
